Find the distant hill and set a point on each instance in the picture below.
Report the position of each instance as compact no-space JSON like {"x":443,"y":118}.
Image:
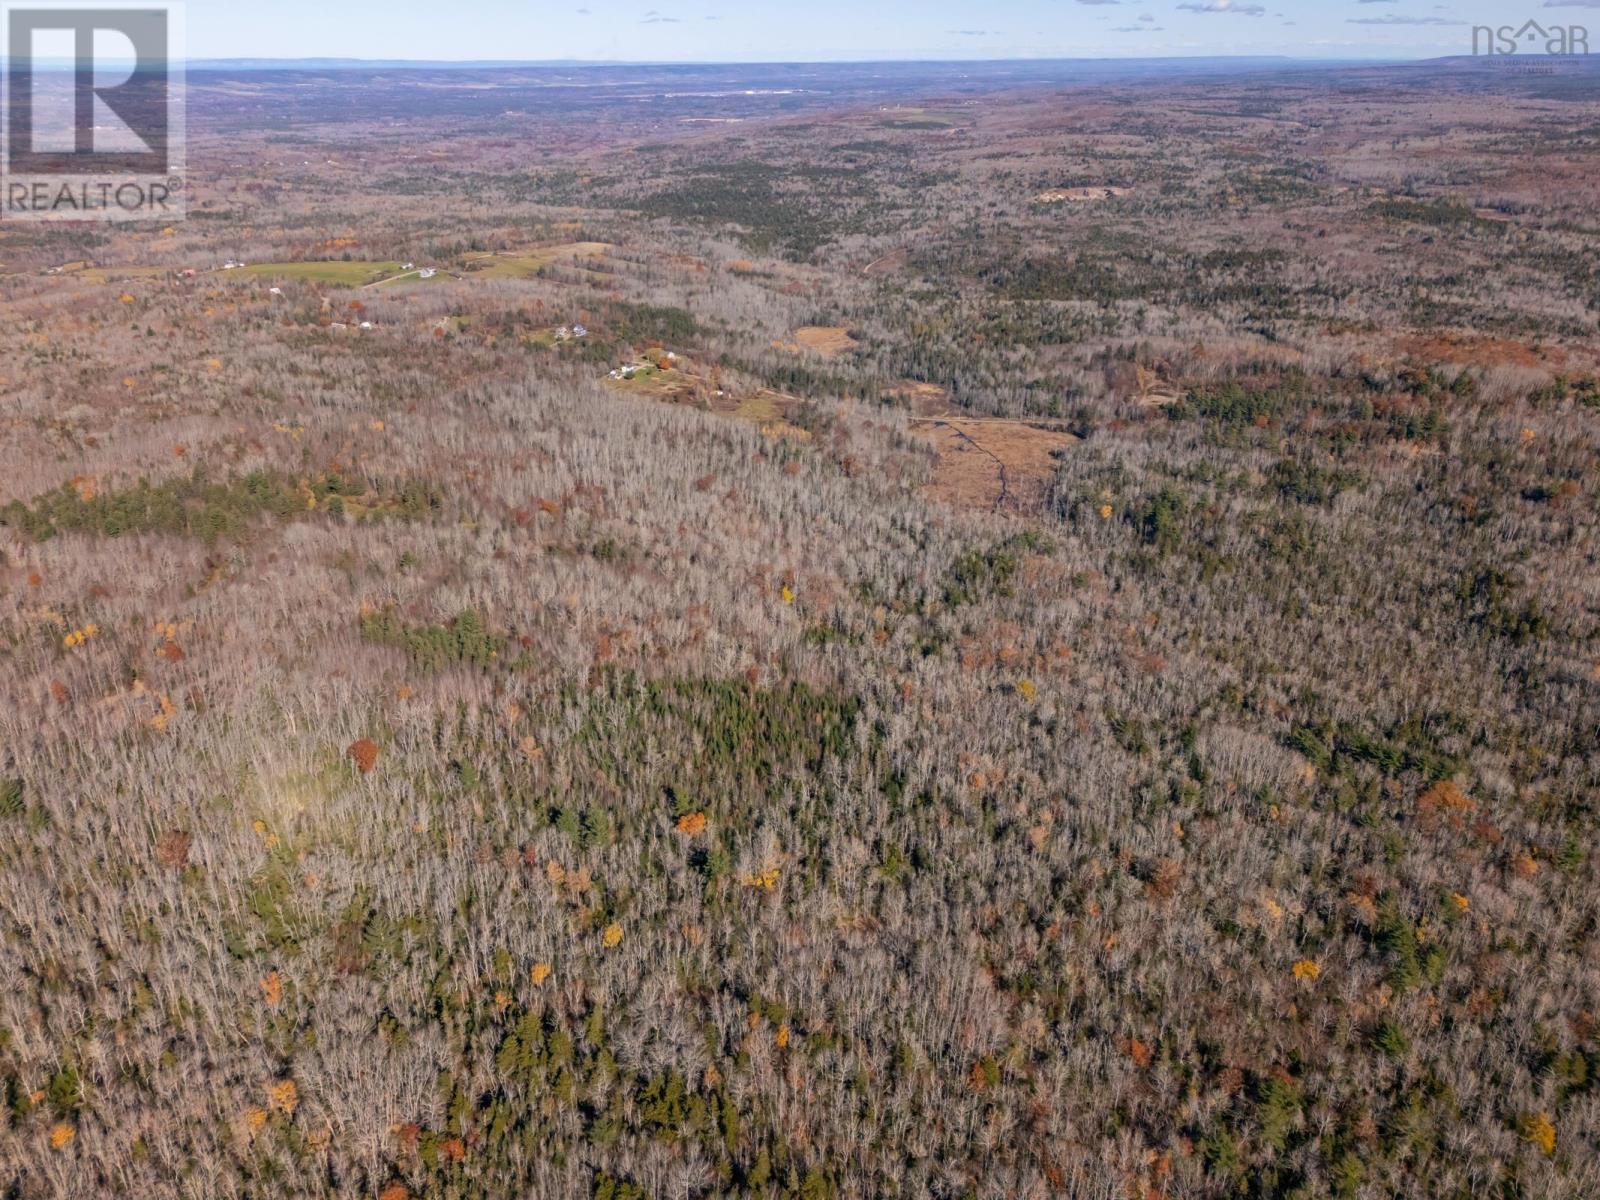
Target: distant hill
{"x":381,"y":64}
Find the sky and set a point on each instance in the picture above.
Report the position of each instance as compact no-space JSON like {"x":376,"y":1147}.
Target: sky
{"x":826,"y":30}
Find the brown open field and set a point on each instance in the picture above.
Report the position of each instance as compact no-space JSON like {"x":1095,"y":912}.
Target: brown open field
{"x":1080,"y":195}
{"x":1488,"y":352}
{"x":992,"y":465}
{"x":922,"y":399}
{"x":829,"y":341}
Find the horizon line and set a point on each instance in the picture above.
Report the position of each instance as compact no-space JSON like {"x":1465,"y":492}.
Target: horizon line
{"x":869,"y":60}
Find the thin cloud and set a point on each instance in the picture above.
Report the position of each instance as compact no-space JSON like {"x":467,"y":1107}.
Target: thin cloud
{"x":1224,"y":6}
{"x":1396,"y":19}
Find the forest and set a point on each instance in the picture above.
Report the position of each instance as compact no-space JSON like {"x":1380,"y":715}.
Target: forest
{"x":966,"y":638}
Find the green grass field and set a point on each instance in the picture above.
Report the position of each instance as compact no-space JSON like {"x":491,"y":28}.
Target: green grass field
{"x":652,"y":381}
{"x":413,"y":277}
{"x":348,"y":274}
{"x":525,"y":266}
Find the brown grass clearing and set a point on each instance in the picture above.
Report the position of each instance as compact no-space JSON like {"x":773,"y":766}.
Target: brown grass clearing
{"x":996,"y":465}
{"x":1479,"y":351}
{"x":830,"y":341}
{"x":1080,"y":195}
{"x":923,"y":399}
